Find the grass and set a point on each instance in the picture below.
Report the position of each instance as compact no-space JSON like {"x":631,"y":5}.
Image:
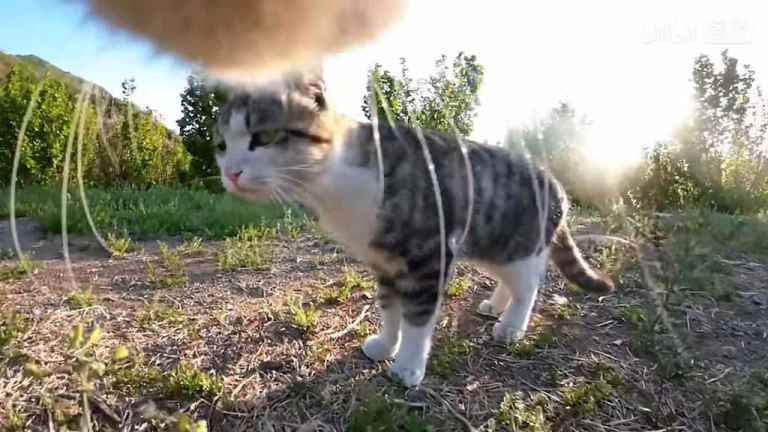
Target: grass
{"x":145,"y":213}
{"x":81,"y":299}
{"x":533,"y":343}
{"x":303,"y":317}
{"x":380,"y":414}
{"x":245,"y":250}
{"x":170,"y":272}
{"x":159,"y":314}
{"x":351,"y":281}
{"x":20,"y":269}
{"x":446,"y":359}
{"x":518,"y":412}
{"x":191,"y":246}
{"x":120,"y":245}
{"x":745,"y":408}
{"x":457,"y":286}
{"x":12,"y":325}
{"x":7,"y":253}
{"x":188,"y":383}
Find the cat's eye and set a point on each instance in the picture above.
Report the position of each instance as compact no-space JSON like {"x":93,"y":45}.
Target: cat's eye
{"x":265,"y":138}
{"x":221,"y":146}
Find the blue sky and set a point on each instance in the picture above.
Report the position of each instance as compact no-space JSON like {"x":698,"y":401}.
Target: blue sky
{"x":625,"y":65}
{"x":61,"y":33}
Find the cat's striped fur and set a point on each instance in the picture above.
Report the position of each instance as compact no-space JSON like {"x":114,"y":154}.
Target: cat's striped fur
{"x":329,"y":163}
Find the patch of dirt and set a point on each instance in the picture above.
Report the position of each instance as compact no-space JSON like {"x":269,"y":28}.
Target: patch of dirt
{"x":278,"y":377}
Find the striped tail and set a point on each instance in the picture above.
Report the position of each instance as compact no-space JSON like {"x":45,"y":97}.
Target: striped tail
{"x":566,"y":256}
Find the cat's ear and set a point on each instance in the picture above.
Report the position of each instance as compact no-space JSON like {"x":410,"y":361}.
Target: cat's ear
{"x":309,"y":83}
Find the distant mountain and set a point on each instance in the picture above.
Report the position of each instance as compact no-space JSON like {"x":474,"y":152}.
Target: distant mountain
{"x":42,"y":68}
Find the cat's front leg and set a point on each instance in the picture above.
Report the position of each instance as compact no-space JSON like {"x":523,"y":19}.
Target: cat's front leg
{"x":385,"y":344}
{"x":420,"y":299}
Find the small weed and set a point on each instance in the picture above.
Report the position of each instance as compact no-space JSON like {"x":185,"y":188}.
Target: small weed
{"x":527,"y":347}
{"x":583,"y":397}
{"x":170,"y":273}
{"x":7,"y":254}
{"x":120,"y":245}
{"x":634,"y":315}
{"x":520,"y":413}
{"x":12,"y":325}
{"x":363,"y":331}
{"x":16,"y":421}
{"x":23,"y":267}
{"x":448,"y":357}
{"x":305,"y":318}
{"x":457,"y":286}
{"x":159,"y":314}
{"x":191,"y":246}
{"x":566,"y":311}
{"x":185,"y":423}
{"x":352,"y":280}
{"x":188,"y":383}
{"x":290,"y":225}
{"x":246,"y":250}
{"x":81,"y":299}
{"x":381,"y":415}
{"x":745,"y":407}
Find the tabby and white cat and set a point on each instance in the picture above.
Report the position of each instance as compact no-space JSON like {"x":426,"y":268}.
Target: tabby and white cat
{"x":286,"y":140}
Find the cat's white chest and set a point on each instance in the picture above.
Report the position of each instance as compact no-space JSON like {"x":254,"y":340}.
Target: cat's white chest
{"x":347,"y":208}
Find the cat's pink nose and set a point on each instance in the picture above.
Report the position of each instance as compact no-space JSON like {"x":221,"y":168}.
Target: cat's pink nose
{"x":234,"y":176}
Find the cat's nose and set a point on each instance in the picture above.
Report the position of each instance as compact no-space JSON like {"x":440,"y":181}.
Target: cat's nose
{"x":234,"y":176}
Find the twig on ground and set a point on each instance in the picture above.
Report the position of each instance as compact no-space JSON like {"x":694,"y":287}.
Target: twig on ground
{"x":351,"y":327}
{"x":455,"y":413}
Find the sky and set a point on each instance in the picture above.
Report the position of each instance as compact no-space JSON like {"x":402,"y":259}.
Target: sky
{"x":625,"y":65}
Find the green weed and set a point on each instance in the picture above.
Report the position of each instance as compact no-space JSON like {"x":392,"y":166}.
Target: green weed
{"x":351,"y":281}
{"x":159,"y":314}
{"x":745,"y":407}
{"x":23,"y":267}
{"x":518,"y":412}
{"x":531,"y":344}
{"x":449,"y":355}
{"x":583,"y":397}
{"x":246,"y":250}
{"x":304,"y":318}
{"x":120,"y":245}
{"x":457,"y":286}
{"x":7,"y":254}
{"x":170,"y":273}
{"x":81,"y":299}
{"x":382,"y":415}
{"x":191,"y":246}
{"x":188,"y":383}
{"x":12,"y":325}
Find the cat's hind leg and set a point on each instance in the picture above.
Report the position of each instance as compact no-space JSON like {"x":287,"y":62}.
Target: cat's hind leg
{"x":522,"y":279}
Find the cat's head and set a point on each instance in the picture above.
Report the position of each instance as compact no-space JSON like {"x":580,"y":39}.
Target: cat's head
{"x":276,"y":138}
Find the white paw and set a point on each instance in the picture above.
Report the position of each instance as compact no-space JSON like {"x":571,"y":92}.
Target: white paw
{"x":487,"y":308}
{"x":408,"y":374}
{"x":504,"y":334}
{"x":376,"y":349}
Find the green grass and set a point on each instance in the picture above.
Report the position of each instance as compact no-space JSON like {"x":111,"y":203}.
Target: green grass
{"x":246,"y":250}
{"x":12,"y":325}
{"x":20,"y":269}
{"x":81,"y":299}
{"x":533,"y":343}
{"x":351,"y":281}
{"x":457,"y":286}
{"x":158,"y":314}
{"x":189,"y":383}
{"x":449,"y":356}
{"x":170,"y":272}
{"x":518,"y":412}
{"x":147,"y":213}
{"x":304,"y":318}
{"x":378,"y":414}
{"x":120,"y":245}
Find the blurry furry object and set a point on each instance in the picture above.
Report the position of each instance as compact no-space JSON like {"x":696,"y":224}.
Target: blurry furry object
{"x":240,"y":41}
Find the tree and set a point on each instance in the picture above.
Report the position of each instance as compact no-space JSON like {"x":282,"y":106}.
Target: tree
{"x":200,"y":105}
{"x":717,"y":160}
{"x":445,"y":101}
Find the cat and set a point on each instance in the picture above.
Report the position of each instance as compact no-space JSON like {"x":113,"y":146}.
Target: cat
{"x":241,"y":41}
{"x":286,"y":139}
